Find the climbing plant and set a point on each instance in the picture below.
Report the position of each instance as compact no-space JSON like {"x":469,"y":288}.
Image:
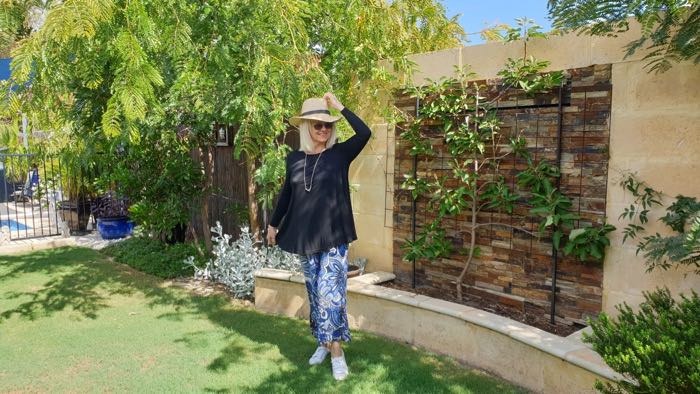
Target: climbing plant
{"x":682,"y":246}
{"x":475,"y":148}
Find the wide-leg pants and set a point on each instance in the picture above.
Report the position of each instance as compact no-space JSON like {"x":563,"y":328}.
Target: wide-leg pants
{"x":326,"y":284}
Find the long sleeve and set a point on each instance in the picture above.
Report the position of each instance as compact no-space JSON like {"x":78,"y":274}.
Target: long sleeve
{"x":283,"y":201}
{"x":353,"y":146}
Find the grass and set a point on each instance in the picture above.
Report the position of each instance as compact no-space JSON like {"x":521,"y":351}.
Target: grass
{"x":73,"y":321}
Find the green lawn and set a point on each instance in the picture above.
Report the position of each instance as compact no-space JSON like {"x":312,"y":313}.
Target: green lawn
{"x":72,"y":321}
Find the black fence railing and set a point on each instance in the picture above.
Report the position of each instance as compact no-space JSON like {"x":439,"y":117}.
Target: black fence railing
{"x":40,"y":197}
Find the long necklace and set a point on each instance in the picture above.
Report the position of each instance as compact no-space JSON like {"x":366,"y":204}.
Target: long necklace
{"x":311,"y":184}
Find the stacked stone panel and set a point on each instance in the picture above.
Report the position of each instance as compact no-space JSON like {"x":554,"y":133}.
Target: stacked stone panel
{"x":514,"y":271}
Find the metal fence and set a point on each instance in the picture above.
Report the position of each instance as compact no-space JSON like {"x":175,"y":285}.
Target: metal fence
{"x":32,"y":199}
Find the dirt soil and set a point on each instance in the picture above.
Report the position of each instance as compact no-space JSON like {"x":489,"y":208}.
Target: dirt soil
{"x":206,"y":288}
{"x":562,"y":330}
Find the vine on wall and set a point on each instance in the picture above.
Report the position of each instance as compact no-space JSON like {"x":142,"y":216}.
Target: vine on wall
{"x":467,"y":113}
{"x":682,"y":247}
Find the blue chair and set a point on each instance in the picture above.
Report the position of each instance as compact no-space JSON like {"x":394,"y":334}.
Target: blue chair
{"x":30,"y":187}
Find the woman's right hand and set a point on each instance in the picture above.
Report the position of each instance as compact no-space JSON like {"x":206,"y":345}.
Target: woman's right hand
{"x":332,"y":101}
{"x":271,"y":234}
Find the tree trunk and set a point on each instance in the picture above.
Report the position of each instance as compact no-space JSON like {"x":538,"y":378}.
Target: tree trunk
{"x":470,"y":257}
{"x":208,"y":162}
{"x":190,"y":229}
{"x":253,"y":201}
{"x":472,"y":232}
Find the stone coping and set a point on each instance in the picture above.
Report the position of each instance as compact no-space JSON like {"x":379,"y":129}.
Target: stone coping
{"x":20,"y":246}
{"x":29,"y":245}
{"x":570,"y":349}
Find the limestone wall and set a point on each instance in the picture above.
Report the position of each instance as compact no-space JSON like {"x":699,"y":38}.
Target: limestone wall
{"x":372,"y":202}
{"x":653,"y":133}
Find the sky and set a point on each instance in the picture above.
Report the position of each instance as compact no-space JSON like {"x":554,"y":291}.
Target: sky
{"x":479,"y":14}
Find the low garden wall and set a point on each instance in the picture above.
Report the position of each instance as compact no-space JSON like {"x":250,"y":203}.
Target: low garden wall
{"x":519,"y":353}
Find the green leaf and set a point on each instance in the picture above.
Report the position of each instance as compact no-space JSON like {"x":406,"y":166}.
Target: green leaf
{"x":539,"y":210}
{"x":576,"y":233}
{"x":569,"y":248}
{"x":549,"y":221}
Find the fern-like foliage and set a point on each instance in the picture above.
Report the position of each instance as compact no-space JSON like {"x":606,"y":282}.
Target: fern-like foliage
{"x":110,"y":73}
{"x":692,"y":244}
{"x":682,"y":247}
{"x":670,"y":28}
{"x":680,"y":213}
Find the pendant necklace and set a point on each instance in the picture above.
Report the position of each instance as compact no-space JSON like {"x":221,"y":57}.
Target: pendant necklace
{"x":311,"y":184}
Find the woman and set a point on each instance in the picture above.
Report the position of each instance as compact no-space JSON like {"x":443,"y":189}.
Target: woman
{"x":315,"y":220}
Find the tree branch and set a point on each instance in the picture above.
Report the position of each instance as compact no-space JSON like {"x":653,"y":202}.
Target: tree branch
{"x":506,"y":225}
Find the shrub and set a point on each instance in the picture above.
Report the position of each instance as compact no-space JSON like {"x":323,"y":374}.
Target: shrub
{"x":657,"y":347}
{"x":235,"y":263}
{"x":153,"y":256}
{"x":109,"y":205}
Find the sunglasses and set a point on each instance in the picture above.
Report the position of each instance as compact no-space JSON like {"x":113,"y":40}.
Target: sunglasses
{"x":319,"y":126}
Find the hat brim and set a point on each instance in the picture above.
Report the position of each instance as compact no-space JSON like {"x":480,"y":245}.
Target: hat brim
{"x":296,"y":120}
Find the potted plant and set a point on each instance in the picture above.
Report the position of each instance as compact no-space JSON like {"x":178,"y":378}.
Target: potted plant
{"x":357,"y":267}
{"x":75,"y":175}
{"x":112,"y":215}
{"x":75,"y":205}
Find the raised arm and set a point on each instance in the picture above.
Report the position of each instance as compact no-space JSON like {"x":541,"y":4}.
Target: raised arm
{"x":353,"y":146}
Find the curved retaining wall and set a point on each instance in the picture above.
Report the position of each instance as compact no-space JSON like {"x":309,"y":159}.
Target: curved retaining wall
{"x":519,"y":353}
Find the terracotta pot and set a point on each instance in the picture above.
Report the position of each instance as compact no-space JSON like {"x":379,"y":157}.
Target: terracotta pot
{"x":353,"y":271}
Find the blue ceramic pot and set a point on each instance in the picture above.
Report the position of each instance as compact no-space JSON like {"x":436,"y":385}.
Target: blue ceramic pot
{"x":114,"y":228}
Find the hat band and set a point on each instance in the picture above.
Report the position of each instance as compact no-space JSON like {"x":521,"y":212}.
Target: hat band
{"x":317,"y":111}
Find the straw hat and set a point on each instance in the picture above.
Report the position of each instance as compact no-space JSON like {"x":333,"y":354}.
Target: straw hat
{"x":314,"y":109}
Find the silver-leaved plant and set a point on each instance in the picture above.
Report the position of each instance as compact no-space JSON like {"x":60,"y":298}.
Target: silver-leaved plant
{"x":236,"y":262}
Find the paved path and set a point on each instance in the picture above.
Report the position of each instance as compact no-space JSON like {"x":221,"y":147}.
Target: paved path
{"x":92,"y":240}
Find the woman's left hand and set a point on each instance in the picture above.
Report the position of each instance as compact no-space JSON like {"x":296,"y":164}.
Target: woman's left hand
{"x":333,"y":101}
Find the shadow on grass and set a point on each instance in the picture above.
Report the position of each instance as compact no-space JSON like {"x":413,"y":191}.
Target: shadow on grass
{"x":378,"y":364}
{"x":84,"y":280}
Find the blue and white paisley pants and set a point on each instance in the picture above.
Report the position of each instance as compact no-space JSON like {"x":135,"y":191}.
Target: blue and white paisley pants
{"x":326,"y":282}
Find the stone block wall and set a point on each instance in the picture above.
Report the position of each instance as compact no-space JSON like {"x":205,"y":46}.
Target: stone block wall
{"x":513,"y":272}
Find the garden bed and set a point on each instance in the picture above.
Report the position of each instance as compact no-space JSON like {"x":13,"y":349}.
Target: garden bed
{"x":562,"y":330}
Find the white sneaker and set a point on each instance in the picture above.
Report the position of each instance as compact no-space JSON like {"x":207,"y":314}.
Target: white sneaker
{"x":340,"y":367}
{"x":319,"y":355}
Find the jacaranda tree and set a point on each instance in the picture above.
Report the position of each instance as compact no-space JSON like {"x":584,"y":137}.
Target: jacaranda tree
{"x":110,"y":72}
{"x":670,"y":28}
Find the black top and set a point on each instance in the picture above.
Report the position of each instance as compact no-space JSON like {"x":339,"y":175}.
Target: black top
{"x":317,"y":220}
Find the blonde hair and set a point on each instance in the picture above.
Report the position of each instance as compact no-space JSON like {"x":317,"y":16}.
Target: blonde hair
{"x":306,"y":144}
